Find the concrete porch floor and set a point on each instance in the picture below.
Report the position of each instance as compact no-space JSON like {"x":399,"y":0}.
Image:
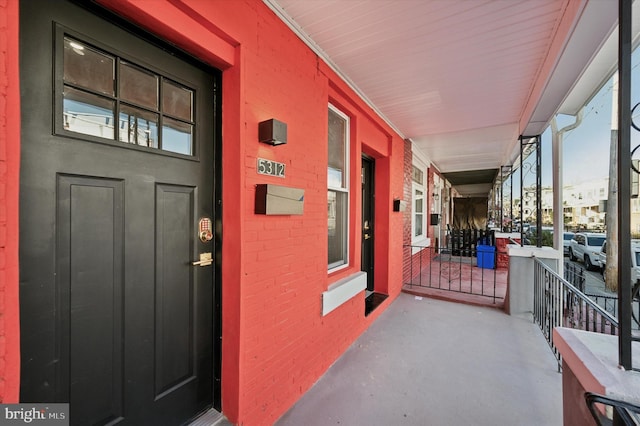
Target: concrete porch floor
{"x":433,"y":362}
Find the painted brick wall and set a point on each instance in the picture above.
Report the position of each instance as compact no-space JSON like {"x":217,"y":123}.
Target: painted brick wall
{"x":9,"y":164}
{"x":276,"y":344}
{"x":3,"y":189}
{"x":406,"y":217}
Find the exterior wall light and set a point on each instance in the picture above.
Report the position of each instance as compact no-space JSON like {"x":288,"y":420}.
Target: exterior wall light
{"x":272,"y":132}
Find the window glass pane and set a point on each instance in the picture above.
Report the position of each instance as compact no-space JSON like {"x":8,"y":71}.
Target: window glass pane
{"x":138,"y":86}
{"x":177,"y":136}
{"x":177,"y":101}
{"x":337,"y":228}
{"x":138,"y":126}
{"x":337,"y":154}
{"x":418,"y":219}
{"x":417,"y":175}
{"x":87,"y":114}
{"x":88,"y":68}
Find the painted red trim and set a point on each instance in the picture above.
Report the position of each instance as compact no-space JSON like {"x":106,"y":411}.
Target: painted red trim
{"x":182,"y":25}
{"x":233,"y":201}
{"x":11,"y":313}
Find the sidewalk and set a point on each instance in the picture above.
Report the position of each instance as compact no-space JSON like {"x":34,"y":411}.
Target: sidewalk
{"x":432,"y":362}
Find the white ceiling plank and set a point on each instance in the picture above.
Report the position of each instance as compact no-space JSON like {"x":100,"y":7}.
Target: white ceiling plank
{"x":454,"y":76}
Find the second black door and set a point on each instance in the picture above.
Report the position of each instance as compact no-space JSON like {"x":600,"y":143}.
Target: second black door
{"x":368,"y":204}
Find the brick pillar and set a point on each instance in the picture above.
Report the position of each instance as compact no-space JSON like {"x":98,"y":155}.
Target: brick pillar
{"x":406,"y":216}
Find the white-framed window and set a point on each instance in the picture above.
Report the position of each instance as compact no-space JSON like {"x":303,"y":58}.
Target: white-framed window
{"x":419,"y":206}
{"x":338,"y":189}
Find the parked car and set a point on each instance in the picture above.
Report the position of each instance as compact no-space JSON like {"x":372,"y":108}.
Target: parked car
{"x":635,"y":261}
{"x":602,"y":257}
{"x":566,"y":242}
{"x":585,"y":246}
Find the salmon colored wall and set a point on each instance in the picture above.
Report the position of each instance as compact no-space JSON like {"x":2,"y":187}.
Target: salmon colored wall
{"x":276,"y":344}
{"x":9,"y":172}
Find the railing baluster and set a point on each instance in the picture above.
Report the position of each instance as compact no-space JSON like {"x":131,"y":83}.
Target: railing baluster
{"x":559,"y":303}
{"x":449,"y":269}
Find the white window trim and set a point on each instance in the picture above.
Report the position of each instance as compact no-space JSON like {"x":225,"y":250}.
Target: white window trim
{"x":415,"y":238}
{"x":422,"y":239}
{"x":346,"y":190}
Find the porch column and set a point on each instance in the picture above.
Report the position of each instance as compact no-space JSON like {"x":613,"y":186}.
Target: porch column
{"x":557,"y":137}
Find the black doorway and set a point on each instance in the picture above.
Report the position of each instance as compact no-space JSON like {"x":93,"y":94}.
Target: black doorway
{"x":368,"y":208}
{"x":117,"y":171}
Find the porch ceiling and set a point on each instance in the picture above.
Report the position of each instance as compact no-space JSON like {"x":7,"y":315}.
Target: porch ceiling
{"x":460,"y":79}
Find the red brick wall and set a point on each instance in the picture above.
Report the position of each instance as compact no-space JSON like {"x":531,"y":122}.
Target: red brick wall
{"x":574,"y":408}
{"x":276,"y":344}
{"x":9,"y":166}
{"x":501,"y":250}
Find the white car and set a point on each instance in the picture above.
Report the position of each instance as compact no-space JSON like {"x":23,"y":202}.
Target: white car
{"x":566,"y":242}
{"x":635,"y":261}
{"x":585,"y":246}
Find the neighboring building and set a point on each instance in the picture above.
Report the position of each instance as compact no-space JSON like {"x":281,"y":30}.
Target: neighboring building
{"x":584,"y":205}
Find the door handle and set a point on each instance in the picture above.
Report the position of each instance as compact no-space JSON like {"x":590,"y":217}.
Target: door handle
{"x":205,"y":260}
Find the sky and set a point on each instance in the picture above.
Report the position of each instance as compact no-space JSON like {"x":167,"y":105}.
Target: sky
{"x":586,"y":148}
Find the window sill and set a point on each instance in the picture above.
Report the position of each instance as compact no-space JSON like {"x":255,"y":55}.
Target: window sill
{"x":342,"y":291}
{"x":420,"y":244}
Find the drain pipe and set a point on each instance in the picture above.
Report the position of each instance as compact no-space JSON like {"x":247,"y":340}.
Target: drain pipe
{"x":558,"y":199}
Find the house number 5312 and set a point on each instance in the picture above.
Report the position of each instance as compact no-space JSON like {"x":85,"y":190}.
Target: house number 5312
{"x":271,"y":168}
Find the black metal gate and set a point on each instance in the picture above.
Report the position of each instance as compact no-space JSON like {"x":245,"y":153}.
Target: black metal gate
{"x":463,"y":242}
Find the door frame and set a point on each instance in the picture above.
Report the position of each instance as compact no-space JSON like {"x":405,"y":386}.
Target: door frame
{"x":216,"y":75}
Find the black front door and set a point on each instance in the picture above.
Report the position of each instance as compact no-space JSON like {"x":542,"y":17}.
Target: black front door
{"x":117,"y":171}
{"x":367,"y":219}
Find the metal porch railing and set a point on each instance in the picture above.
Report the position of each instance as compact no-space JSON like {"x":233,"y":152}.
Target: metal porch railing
{"x":463,"y":272}
{"x":557,"y":303}
{"x":623,"y":412}
{"x":577,"y":276}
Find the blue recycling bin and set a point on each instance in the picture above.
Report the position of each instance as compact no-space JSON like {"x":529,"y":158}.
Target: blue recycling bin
{"x":486,"y":256}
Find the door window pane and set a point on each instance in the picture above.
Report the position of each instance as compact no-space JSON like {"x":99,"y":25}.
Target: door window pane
{"x":87,"y":113}
{"x":125,"y":105}
{"x":88,"y":68}
{"x":138,"y":126}
{"x":177,"y":100}
{"x":138,"y":86}
{"x":419,"y":210}
{"x":177,"y":136}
